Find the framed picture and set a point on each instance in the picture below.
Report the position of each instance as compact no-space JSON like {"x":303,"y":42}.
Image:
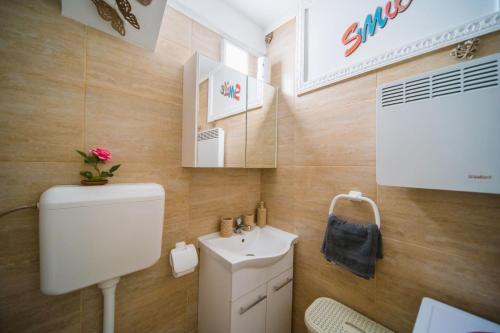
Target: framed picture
{"x":226,"y":93}
{"x":337,"y":40}
{"x":232,"y":92}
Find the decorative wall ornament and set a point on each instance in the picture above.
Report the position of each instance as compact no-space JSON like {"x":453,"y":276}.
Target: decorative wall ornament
{"x":119,"y":22}
{"x":447,"y":22}
{"x":126,"y":10}
{"x":144,"y":2}
{"x":269,"y":38}
{"x":466,"y":50}
{"x":107,"y":13}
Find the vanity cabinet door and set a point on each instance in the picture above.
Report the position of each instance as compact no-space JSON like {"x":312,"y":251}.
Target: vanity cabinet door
{"x":248,"y":313}
{"x":279,"y":303}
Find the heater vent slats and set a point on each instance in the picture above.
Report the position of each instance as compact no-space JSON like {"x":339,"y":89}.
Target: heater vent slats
{"x":393,"y":95}
{"x":417,"y":90}
{"x":481,"y":76}
{"x":447,"y":83}
{"x":208,"y":134}
{"x":461,"y":79}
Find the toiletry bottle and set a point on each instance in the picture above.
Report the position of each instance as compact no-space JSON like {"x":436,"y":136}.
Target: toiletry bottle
{"x":261,"y":215}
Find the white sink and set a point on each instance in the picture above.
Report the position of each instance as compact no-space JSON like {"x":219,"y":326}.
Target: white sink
{"x":256,"y":248}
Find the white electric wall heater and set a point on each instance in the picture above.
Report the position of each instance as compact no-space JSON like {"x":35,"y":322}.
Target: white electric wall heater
{"x":210,"y":150}
{"x":441,"y":130}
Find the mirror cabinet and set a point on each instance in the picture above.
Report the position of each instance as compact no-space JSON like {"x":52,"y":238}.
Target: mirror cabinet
{"x":229,"y":118}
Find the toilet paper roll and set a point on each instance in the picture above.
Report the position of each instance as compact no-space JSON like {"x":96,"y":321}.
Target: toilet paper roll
{"x":183,"y":259}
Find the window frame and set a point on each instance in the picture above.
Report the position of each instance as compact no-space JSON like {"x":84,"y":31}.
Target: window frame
{"x":224,"y":48}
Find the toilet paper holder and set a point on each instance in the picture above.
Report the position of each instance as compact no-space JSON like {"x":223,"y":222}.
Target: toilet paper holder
{"x":183,"y":259}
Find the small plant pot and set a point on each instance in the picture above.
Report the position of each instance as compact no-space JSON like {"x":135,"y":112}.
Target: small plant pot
{"x":86,"y":182}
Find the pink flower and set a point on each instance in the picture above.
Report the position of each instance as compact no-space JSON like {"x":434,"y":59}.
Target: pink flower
{"x":101,"y":153}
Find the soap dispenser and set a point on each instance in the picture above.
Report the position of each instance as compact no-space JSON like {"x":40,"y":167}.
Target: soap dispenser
{"x":261,"y":215}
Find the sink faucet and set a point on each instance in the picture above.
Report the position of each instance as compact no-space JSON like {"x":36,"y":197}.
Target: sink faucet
{"x":238,"y":221}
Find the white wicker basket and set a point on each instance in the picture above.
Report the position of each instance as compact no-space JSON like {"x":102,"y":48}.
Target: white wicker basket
{"x":325,"y":315}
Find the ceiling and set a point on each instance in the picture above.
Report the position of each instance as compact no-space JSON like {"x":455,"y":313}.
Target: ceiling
{"x":268,"y":14}
{"x":243,"y":22}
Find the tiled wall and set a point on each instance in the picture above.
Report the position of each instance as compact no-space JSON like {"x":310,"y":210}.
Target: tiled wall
{"x":64,"y":87}
{"x":441,"y":244}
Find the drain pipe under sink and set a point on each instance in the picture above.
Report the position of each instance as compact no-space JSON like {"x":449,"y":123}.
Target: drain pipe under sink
{"x":108,"y":288}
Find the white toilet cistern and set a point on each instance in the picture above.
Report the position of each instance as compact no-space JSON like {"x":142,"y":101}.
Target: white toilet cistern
{"x":94,"y":235}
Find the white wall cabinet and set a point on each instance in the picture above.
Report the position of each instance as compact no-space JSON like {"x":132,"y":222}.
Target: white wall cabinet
{"x":251,"y":300}
{"x":229,"y":118}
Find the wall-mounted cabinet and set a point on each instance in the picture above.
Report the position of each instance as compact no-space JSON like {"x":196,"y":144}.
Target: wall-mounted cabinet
{"x":229,"y":118}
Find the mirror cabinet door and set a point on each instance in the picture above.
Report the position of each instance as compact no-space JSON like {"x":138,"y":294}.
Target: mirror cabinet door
{"x":262,"y":126}
{"x":236,"y":119}
{"x":222,"y":118}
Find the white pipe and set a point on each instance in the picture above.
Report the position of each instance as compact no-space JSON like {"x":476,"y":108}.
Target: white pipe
{"x":108,"y":288}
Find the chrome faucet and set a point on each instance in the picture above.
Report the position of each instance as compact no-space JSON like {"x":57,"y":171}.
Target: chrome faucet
{"x":238,"y":222}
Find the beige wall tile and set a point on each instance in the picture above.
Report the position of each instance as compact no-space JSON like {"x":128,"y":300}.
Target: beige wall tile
{"x":23,"y":308}
{"x":115,"y":64}
{"x":216,"y":193}
{"x":23,"y":184}
{"x":457,"y":223}
{"x":206,"y":42}
{"x":360,"y":89}
{"x":133,"y":128}
{"x":151,"y":300}
{"x":336,"y":135}
{"x":277,"y":191}
{"x":91,"y":310}
{"x":37,"y":41}
{"x":40,"y":120}
{"x":315,"y":188}
{"x":176,"y":28}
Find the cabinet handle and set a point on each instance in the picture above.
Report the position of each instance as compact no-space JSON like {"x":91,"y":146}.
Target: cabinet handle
{"x":245,"y":309}
{"x":288,"y":280}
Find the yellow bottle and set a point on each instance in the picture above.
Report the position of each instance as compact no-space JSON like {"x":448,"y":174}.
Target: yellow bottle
{"x":261,"y":215}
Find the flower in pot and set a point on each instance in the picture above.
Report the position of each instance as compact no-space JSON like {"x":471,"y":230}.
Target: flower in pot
{"x":96,"y":157}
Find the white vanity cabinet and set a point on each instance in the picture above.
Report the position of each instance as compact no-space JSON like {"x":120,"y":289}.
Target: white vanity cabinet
{"x":248,"y":313}
{"x":279,"y":303}
{"x":254,"y":299}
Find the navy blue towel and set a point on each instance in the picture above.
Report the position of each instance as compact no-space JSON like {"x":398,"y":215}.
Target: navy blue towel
{"x":355,"y":247}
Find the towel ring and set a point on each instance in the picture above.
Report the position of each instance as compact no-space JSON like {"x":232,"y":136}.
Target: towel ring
{"x":357,"y":196}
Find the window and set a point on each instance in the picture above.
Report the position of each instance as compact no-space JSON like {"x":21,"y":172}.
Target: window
{"x":235,"y":57}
